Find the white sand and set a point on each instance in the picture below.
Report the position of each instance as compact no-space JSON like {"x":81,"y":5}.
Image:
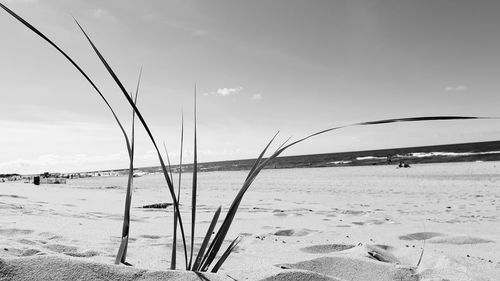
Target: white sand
{"x":362,"y":223}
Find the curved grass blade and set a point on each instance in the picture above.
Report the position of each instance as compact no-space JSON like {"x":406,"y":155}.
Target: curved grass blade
{"x":122,"y":251}
{"x":226,"y":254}
{"x":195,"y":183}
{"x":148,"y":131}
{"x":221,"y":234}
{"x":173,"y":259}
{"x":210,"y":231}
{"x":217,"y":242}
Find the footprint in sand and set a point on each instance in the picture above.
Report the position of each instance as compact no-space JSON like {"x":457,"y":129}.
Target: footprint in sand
{"x":50,"y":236}
{"x":420,"y":236}
{"x":59,"y":248}
{"x":22,"y":252}
{"x":147,"y":236}
{"x":15,"y":231}
{"x":70,"y":251}
{"x":279,"y":213}
{"x":26,"y":241}
{"x":327,"y":248}
{"x":86,"y":254}
{"x":293,"y":232}
{"x":13,"y":196}
{"x":459,"y":240}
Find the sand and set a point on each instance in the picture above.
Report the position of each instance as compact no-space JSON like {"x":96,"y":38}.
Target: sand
{"x":354,"y":223}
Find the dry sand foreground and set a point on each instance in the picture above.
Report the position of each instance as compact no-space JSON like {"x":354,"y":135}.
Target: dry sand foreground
{"x":354,"y":223}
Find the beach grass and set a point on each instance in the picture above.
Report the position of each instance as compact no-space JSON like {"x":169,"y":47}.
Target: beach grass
{"x":204,"y":260}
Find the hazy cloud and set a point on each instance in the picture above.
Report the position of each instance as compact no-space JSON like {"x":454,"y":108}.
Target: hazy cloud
{"x":256,"y":97}
{"x":459,"y":88}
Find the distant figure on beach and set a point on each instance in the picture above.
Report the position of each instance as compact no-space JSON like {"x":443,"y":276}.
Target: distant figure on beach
{"x":389,"y":158}
{"x":402,"y":164}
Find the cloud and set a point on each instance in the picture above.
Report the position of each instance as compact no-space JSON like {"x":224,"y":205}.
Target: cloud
{"x":225,"y":92}
{"x":459,"y":88}
{"x":256,"y":97}
{"x":229,"y":91}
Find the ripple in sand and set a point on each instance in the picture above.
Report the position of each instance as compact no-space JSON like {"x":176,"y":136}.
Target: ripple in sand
{"x":420,"y":236}
{"x":328,"y":248}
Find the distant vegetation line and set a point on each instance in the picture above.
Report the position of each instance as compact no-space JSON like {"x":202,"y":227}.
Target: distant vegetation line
{"x":463,"y":152}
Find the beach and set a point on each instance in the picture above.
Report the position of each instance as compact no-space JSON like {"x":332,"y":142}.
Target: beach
{"x":346,"y":223}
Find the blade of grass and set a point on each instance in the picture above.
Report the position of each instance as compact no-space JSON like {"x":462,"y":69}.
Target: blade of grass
{"x":174,"y":244}
{"x":210,"y":231}
{"x":168,"y":162}
{"x":226,"y":254}
{"x":195,"y":183}
{"x":148,"y":131}
{"x":122,"y":251}
{"x":221,"y":234}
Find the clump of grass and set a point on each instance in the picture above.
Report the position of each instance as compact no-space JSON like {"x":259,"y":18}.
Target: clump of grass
{"x":205,"y":257}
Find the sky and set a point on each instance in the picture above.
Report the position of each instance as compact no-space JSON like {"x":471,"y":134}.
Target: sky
{"x":259,"y":67}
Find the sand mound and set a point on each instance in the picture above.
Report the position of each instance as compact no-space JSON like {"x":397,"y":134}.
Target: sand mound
{"x":328,"y":248}
{"x":302,"y":275}
{"x":70,"y":269}
{"x":459,"y":240}
{"x":348,"y":268}
{"x":420,"y":236}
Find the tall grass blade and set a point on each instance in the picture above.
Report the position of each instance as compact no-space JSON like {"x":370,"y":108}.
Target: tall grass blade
{"x":226,"y":254}
{"x":148,"y":131}
{"x":173,"y":259}
{"x":210,"y":231}
{"x":122,"y":251}
{"x":221,"y":234}
{"x":195,"y":183}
